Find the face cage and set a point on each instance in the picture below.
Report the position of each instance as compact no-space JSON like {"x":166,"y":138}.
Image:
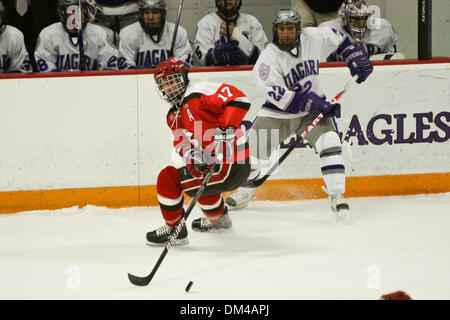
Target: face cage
{"x":150,"y":29}
{"x":176,"y":95}
{"x":223,"y":10}
{"x":286,"y":46}
{"x":357,"y":23}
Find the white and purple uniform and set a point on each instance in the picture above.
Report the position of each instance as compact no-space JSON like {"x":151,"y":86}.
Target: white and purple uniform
{"x":378,"y":39}
{"x":284,"y":76}
{"x":248,"y":32}
{"x":137,"y":49}
{"x":56,"y":50}
{"x":13,"y":53}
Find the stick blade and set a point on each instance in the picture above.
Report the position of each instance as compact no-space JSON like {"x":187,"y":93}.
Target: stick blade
{"x":139,"y":281}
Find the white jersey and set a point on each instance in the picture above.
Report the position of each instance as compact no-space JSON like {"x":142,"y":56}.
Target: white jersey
{"x":139,"y":50}
{"x":13,"y":53}
{"x":57,"y":51}
{"x":248,"y":32}
{"x":378,"y":39}
{"x":280,"y":74}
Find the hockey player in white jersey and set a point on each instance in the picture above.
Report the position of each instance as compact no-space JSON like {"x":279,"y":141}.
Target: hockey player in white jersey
{"x":13,"y":53}
{"x":378,"y":37}
{"x":288,"y":74}
{"x":66,"y":46}
{"x":146,"y":43}
{"x":239,"y":43}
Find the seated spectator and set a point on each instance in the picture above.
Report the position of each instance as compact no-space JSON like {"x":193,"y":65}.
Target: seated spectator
{"x":69,"y":46}
{"x":13,"y":54}
{"x":314,"y":12}
{"x":228,"y":36}
{"x":30,"y":17}
{"x":378,"y":38}
{"x":116,"y":15}
{"x":146,"y":43}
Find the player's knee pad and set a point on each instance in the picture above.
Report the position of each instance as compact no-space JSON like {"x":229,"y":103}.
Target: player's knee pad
{"x":328,"y":142}
{"x":170,"y":195}
{"x":330,"y":151}
{"x":168,"y":183}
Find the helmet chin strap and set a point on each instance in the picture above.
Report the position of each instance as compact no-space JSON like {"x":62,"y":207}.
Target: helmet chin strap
{"x":229,"y":14}
{"x":357,"y":33}
{"x":152,"y":29}
{"x":153,"y":32}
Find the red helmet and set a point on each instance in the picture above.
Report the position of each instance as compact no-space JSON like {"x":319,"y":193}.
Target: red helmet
{"x":171,"y":77}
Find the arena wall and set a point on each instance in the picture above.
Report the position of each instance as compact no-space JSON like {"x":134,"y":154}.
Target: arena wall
{"x":101,"y":138}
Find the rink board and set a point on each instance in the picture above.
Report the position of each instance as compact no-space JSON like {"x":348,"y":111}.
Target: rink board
{"x":101,"y":138}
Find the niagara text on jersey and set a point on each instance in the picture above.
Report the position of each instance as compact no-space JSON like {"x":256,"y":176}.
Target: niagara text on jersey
{"x":205,"y":107}
{"x":137,"y":49}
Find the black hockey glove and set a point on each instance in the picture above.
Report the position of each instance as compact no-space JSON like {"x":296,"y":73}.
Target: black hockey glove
{"x":194,"y":162}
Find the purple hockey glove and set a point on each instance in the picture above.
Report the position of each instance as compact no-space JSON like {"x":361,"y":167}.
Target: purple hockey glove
{"x":229,"y":54}
{"x":358,"y":62}
{"x":314,"y":104}
{"x":221,"y":54}
{"x":237,"y":56}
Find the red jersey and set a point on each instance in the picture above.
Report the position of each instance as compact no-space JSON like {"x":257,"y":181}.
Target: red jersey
{"x":205,"y":107}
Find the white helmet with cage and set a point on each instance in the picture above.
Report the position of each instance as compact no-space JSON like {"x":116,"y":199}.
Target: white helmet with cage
{"x":354,"y":14}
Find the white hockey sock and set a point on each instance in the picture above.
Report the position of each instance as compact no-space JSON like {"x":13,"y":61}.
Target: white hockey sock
{"x":331,"y":162}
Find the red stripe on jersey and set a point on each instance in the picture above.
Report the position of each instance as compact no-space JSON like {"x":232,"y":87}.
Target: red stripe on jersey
{"x":234,"y":111}
{"x":215,"y":178}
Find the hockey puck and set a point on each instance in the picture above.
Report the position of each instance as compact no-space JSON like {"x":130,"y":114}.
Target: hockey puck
{"x":188,"y":287}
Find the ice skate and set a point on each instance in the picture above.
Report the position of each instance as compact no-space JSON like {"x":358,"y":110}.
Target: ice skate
{"x":160,"y":236}
{"x":338,"y":204}
{"x":204,"y":225}
{"x":240,"y":199}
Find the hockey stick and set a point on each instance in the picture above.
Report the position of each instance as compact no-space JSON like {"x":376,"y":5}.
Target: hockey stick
{"x":227,"y":21}
{"x":80,"y":38}
{"x":175,"y":31}
{"x":258,"y":182}
{"x":143,"y":281}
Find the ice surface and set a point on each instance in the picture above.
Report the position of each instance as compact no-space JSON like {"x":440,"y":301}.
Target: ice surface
{"x":275,"y":250}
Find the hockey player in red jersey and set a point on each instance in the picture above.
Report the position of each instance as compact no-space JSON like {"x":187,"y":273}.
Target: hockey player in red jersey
{"x":205,"y":121}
